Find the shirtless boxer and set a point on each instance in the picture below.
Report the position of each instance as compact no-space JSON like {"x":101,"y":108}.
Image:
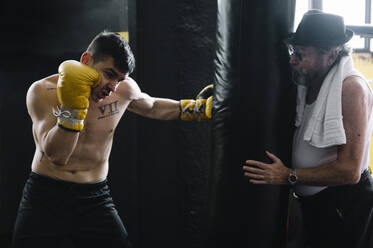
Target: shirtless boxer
{"x":66,"y":200}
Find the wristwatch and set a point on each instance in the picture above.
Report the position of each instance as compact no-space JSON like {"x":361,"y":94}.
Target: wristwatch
{"x":292,"y":178}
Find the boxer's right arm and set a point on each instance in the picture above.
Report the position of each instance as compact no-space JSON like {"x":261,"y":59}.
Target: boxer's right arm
{"x":57,"y":143}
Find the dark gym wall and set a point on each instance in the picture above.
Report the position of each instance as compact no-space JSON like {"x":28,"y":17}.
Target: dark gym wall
{"x":254,"y":105}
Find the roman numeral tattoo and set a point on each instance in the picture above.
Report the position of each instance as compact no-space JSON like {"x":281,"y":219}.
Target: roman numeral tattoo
{"x":108,"y":109}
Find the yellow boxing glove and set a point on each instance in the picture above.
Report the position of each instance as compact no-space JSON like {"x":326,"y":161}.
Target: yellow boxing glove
{"x":73,"y":90}
{"x":199,"y":109}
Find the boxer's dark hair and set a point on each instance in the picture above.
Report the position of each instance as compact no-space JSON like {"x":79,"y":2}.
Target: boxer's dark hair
{"x":112,"y":44}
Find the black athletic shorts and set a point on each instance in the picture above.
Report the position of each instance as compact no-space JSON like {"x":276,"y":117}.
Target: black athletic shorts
{"x":56,"y":213}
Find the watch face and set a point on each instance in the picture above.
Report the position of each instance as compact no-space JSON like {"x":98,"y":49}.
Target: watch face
{"x":293,"y":178}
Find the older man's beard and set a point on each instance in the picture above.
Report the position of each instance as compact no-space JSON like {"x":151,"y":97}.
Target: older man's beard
{"x":298,"y":78}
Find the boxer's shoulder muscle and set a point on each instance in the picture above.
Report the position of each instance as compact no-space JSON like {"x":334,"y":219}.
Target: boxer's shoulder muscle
{"x":128,"y":89}
{"x":41,"y":96}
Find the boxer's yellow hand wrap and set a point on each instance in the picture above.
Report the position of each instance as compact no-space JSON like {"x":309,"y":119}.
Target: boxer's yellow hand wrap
{"x":199,"y":109}
{"x":73,"y":90}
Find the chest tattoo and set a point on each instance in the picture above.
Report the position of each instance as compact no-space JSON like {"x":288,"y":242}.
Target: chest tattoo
{"x":108,"y":110}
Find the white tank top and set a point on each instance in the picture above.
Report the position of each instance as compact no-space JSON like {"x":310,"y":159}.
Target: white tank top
{"x":306,"y":156}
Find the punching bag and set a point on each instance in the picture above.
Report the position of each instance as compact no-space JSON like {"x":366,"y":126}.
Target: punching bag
{"x":254,"y":106}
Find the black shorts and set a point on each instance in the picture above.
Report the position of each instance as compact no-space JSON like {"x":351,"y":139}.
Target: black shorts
{"x":56,"y":213}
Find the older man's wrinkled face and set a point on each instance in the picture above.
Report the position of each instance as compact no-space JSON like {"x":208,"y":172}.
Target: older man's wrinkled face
{"x":306,"y":64}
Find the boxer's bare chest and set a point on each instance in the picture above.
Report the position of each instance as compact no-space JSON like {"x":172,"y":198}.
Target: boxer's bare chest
{"x":103,"y":117}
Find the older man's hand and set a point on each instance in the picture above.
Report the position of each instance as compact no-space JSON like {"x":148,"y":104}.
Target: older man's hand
{"x":263,"y":173}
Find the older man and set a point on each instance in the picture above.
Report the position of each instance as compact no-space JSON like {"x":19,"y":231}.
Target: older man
{"x":330,"y":158}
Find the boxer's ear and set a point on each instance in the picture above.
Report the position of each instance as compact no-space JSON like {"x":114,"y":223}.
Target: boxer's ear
{"x":86,"y":58}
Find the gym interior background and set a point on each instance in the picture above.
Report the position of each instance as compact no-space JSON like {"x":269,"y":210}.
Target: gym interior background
{"x":175,"y":184}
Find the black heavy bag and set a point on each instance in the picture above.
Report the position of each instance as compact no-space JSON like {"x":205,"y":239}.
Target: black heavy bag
{"x":254,"y":106}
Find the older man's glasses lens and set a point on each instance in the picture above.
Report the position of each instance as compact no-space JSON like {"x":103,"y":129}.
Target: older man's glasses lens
{"x":292,"y":51}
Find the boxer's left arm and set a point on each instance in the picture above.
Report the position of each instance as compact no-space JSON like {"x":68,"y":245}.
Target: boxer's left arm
{"x":168,"y":109}
{"x":150,"y":107}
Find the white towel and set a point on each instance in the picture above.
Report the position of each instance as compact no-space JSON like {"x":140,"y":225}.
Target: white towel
{"x":325,"y":127}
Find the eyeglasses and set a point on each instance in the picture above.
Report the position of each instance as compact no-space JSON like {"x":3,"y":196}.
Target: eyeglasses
{"x":298,"y":55}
